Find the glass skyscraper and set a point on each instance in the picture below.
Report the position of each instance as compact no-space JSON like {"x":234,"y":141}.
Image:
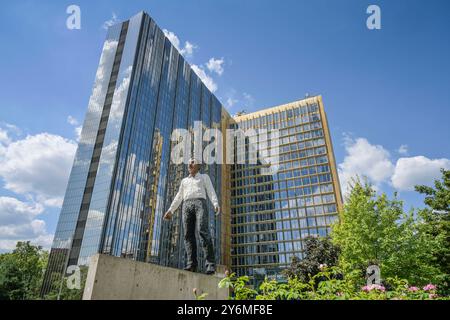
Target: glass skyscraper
{"x":122,"y":180}
{"x":271,"y":215}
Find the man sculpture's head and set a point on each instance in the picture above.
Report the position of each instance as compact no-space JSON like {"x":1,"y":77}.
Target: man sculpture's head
{"x":193,"y":166}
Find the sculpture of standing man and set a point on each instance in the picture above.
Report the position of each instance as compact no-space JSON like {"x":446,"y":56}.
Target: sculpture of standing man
{"x":193,"y":192}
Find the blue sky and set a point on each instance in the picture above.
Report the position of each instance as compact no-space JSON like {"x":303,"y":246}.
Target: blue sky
{"x":382,"y":89}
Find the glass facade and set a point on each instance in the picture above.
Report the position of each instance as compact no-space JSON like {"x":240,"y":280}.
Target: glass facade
{"x":122,"y":180}
{"x":271,"y":215}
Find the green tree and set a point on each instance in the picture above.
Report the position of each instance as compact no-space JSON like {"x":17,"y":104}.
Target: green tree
{"x":374,"y":230}
{"x":319,"y":252}
{"x":437,"y":225}
{"x":61,"y":288}
{"x":21,"y":272}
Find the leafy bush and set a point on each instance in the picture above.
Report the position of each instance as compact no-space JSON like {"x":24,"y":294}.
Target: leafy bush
{"x":328,"y":284}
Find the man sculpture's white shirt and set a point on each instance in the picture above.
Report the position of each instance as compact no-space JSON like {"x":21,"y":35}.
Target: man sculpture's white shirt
{"x":193,"y":187}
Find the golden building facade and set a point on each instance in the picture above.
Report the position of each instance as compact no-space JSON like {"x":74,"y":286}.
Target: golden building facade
{"x":271,"y":215}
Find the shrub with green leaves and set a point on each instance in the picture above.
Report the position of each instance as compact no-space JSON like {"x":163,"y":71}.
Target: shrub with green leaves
{"x":329,"y":284}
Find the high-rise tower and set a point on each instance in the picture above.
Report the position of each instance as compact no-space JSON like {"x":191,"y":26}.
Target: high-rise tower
{"x":122,"y":180}
{"x":272,"y":215}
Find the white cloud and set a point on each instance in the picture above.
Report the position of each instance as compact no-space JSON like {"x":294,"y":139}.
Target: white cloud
{"x":403,"y":149}
{"x":4,"y":137}
{"x":207,"y":80}
{"x":417,"y":171}
{"x":364,"y":159}
{"x":172,"y":38}
{"x":212,"y":66}
{"x":19,"y":222}
{"x":232,"y":99}
{"x":187,"y":50}
{"x":249,"y":100}
{"x":78,"y":132}
{"x":231,"y":102}
{"x":6,"y":131}
{"x":14,"y":211}
{"x":13,"y":129}
{"x":38,"y":166}
{"x":110,"y":22}
{"x":72,"y":121}
{"x":374,"y":162}
{"x":215,"y":65}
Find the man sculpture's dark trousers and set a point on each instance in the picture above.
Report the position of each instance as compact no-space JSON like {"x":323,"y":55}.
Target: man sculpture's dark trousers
{"x":195,"y":216}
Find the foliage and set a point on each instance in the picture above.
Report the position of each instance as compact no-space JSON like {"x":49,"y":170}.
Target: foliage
{"x":199,"y":296}
{"x":436,"y":224}
{"x":325,"y":285}
{"x":21,"y":272}
{"x":239,"y":287}
{"x":374,"y":230}
{"x":62,"y":288}
{"x":319,"y":252}
{"x":438,"y":198}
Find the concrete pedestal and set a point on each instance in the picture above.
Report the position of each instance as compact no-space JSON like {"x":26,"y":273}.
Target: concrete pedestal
{"x":112,"y":278}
